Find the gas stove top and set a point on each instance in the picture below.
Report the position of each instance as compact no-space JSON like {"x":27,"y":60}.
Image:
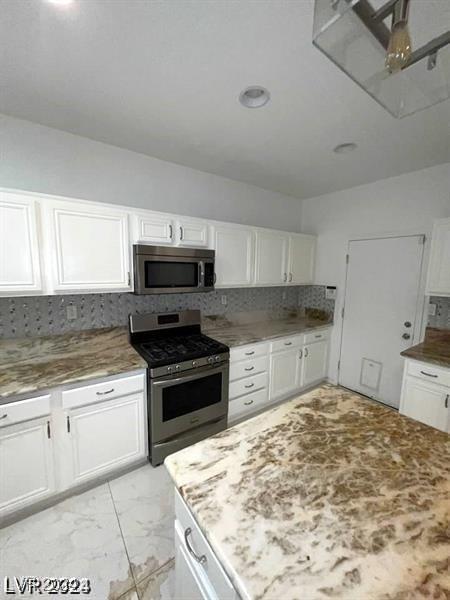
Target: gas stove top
{"x":173,"y":343}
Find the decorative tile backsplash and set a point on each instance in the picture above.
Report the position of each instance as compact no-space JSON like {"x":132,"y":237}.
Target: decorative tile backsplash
{"x":441,"y":320}
{"x":44,"y":315}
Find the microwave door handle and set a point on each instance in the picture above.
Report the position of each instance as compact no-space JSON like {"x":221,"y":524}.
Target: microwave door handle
{"x":201,"y":274}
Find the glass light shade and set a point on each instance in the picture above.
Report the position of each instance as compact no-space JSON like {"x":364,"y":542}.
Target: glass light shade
{"x":399,"y":49}
{"x":341,"y":35}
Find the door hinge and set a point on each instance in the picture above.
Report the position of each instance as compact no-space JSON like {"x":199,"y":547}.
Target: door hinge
{"x":129,"y":278}
{"x":49,"y":433}
{"x":342,"y":312}
{"x":339,"y":364}
{"x":347,"y":258}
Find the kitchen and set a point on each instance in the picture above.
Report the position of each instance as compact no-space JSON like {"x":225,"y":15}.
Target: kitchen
{"x":193,"y":295}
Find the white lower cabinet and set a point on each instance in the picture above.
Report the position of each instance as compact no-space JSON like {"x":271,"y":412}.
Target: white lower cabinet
{"x":67,"y":437}
{"x":285,"y":368}
{"x":314,"y":360}
{"x":424,"y":400}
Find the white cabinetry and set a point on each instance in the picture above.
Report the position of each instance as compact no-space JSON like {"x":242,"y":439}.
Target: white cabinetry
{"x":234,"y":255}
{"x":192,"y":232}
{"x":271,"y":250}
{"x":300,"y":267}
{"x":284,"y":373}
{"x":88,"y":246}
{"x":26,"y":453}
{"x":439,"y":268}
{"x":426,"y":394}
{"x":153,"y":228}
{"x":51,"y":443}
{"x":20,"y":271}
{"x":314,"y":362}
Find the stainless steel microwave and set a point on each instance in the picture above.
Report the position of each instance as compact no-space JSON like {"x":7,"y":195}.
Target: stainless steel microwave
{"x":164,"y":270}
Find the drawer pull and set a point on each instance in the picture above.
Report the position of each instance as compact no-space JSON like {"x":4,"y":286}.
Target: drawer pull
{"x":249,"y":353}
{"x":306,"y":352}
{"x":4,"y":416}
{"x":318,"y":336}
{"x":428,"y":374}
{"x":249,"y":368}
{"x":301,"y":354}
{"x":200,"y":559}
{"x":68,"y":423}
{"x":288,"y":343}
{"x":250,"y":385}
{"x":104,"y":393}
{"x":248,"y":402}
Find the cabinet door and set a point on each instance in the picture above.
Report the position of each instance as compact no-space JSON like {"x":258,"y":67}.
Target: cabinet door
{"x":153,"y":228}
{"x":26,"y":464}
{"x":284,"y":368}
{"x":192,"y":233}
{"x":105,"y":436}
{"x":89,"y":247}
{"x":439,"y":268}
{"x":20,"y":271}
{"x":426,"y":403}
{"x":234,"y":255}
{"x":271,"y":258}
{"x":301,"y":259}
{"x":188,"y":585}
{"x":314,"y":363}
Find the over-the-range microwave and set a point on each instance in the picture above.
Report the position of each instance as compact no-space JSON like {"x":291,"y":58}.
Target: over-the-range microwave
{"x":167,"y":270}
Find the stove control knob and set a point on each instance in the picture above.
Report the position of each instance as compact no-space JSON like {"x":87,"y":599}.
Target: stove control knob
{"x":210,"y":359}
{"x":217,"y":358}
{"x":169,"y":369}
{"x":194,"y":363}
{"x":177,"y":367}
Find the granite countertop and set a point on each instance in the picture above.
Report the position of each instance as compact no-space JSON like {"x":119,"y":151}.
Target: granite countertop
{"x":239,"y":329}
{"x":329,"y":495}
{"x":435,"y":349}
{"x":31,"y":364}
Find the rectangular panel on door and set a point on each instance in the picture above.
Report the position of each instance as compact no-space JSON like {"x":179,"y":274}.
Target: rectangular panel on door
{"x":314,"y":362}
{"x":234,"y":255}
{"x":426,"y":403}
{"x":271,"y":258}
{"x":284,"y":373}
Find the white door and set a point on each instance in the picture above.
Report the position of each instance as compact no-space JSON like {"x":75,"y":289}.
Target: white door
{"x":426,"y":403}
{"x":271,"y":258}
{"x":380,"y":314}
{"x":26,"y":464}
{"x":284,"y":373}
{"x":301,"y":259}
{"x":192,"y":233}
{"x":314,"y":363}
{"x":234,"y":255}
{"x":105,"y":436}
{"x":153,"y":228}
{"x":20,"y":271}
{"x":439,"y":269}
{"x":89,"y":247}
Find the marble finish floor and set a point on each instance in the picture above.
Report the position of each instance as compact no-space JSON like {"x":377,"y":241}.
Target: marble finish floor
{"x":119,"y":535}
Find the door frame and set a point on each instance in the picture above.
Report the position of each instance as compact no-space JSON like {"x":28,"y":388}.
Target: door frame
{"x":422,"y":298}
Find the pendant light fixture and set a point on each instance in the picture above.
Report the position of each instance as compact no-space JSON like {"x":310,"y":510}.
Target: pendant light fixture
{"x":374,"y":48}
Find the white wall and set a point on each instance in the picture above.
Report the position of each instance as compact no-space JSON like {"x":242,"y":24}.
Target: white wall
{"x":41,"y":159}
{"x":405,"y":204}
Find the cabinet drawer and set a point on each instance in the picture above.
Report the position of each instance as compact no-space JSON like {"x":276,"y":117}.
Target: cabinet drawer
{"x":248,"y":351}
{"x":428,"y":372}
{"x":193,"y":541}
{"x":246,"y":368}
{"x":286,"y":343}
{"x":239,"y":407}
{"x":248,"y":385}
{"x":106,"y":390}
{"x":24,"y":410}
{"x":316,"y":336}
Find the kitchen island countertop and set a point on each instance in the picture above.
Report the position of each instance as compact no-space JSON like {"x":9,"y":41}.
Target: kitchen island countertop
{"x":329,"y":495}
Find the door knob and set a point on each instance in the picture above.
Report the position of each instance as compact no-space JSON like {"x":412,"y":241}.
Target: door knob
{"x":407,"y":324}
{"x":406,"y":336}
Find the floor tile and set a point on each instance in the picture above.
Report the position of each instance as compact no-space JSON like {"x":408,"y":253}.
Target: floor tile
{"x":130,"y":595}
{"x":144,"y":503}
{"x":160,"y":585}
{"x":80,"y":537}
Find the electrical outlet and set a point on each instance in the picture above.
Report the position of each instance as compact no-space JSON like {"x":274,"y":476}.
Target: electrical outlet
{"x":330,"y":292}
{"x":71,"y":312}
{"x":432,"y":309}
{"x":283,"y":295}
{"x":223,"y":299}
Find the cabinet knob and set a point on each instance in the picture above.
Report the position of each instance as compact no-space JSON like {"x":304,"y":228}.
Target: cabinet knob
{"x":3,"y":416}
{"x":406,"y":336}
{"x":407,"y":323}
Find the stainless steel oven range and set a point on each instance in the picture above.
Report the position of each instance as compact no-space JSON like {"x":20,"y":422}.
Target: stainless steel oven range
{"x":187,"y":381}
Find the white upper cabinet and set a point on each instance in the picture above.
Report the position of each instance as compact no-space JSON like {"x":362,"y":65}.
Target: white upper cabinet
{"x":20,"y":271}
{"x":192,"y":232}
{"x":234,"y":255}
{"x":271,"y":249}
{"x":439,"y":267}
{"x":153,"y":228}
{"x":88,"y":245}
{"x":301,"y":259}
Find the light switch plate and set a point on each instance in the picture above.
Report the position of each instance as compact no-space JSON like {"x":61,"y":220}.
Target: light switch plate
{"x":223,"y":299}
{"x":330,"y":292}
{"x":432,"y":309}
{"x":71,"y":312}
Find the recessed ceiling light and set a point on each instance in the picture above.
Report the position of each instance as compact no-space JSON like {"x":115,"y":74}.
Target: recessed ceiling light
{"x":61,"y":2}
{"x":345,"y":148}
{"x":254,"y":97}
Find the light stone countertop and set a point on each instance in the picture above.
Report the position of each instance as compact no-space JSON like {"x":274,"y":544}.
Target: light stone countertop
{"x":329,"y":495}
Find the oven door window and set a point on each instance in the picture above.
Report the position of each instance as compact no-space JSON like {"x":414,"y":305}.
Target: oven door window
{"x":171,"y":274}
{"x":184,"y":398}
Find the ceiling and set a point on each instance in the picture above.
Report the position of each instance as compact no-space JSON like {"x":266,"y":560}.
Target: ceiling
{"x":163,"y":78}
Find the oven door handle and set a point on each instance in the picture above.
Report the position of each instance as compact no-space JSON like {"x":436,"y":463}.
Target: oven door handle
{"x":199,"y":373}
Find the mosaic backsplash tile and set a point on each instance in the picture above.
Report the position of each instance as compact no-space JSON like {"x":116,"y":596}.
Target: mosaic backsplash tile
{"x":441,"y":320}
{"x":44,"y":315}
